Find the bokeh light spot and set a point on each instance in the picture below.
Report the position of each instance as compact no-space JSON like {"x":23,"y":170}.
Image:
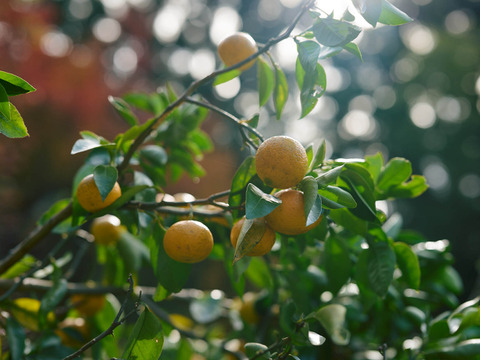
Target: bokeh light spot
{"x":418,"y":38}
{"x":469,"y":185}
{"x":228,"y":89}
{"x":56,"y":44}
{"x":107,"y":30}
{"x":80,"y":9}
{"x":225,"y":22}
{"x":385,"y":97}
{"x":436,"y":174}
{"x":125,"y":61}
{"x":202,"y":63}
{"x":422,"y":115}
{"x":168,"y":23}
{"x":457,"y":22}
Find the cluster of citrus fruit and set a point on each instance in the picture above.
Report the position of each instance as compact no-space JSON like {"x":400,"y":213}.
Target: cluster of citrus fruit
{"x":281,"y":162}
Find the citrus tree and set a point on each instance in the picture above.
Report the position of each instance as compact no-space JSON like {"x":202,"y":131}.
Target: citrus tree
{"x":314,"y":268}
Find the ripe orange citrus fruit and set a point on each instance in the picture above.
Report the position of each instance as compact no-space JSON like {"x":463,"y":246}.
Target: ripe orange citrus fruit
{"x":281,"y":162}
{"x":237,"y":47}
{"x":188,"y":241}
{"x":263,"y":246}
{"x":88,"y":304}
{"x":89,"y":197}
{"x":289,"y":217}
{"x":107,"y":229}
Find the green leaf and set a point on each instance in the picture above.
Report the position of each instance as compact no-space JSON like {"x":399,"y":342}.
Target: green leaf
{"x":408,"y":264}
{"x":332,"y":318}
{"x":312,"y":86}
{"x":229,"y":75}
{"x":155,"y":154}
{"x":392,"y":16}
{"x":395,"y":172}
{"x":16,"y":338}
{"x":4,"y":105}
{"x":14,"y":85}
{"x":338,"y":195}
{"x":257,"y":350}
{"x":332,"y":32}
{"x":413,"y":188}
{"x":266,"y":81}
{"x":352,"y":223}
{"x":319,"y":156}
{"x":89,"y":141}
{"x":123,"y":109}
{"x":380,"y":261}
{"x":280,"y":92}
{"x":52,"y":298}
{"x":464,"y":350}
{"x":146,"y":339}
{"x":105,"y":177}
{"x":369,"y":9}
{"x":20,"y":267}
{"x":258,"y":203}
{"x":337,"y":263}
{"x":359,"y":182}
{"x":171,"y":274}
{"x":258,"y":272}
{"x":329,"y":177}
{"x":250,"y":235}
{"x":308,"y":52}
{"x":133,"y":252}
{"x":353,"y":49}
{"x":309,"y":187}
{"x":14,"y":127}
{"x":242,"y":177}
{"x":374,"y":165}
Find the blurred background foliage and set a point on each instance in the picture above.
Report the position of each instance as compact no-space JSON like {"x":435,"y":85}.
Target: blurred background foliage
{"x":415,"y":95}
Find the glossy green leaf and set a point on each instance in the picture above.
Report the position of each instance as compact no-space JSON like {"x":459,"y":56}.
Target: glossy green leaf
{"x":133,"y":252}
{"x":266,"y":81}
{"x":280,"y":92}
{"x":353,"y":49}
{"x":124,"y":110}
{"x":337,"y":263}
{"x":244,"y":174}
{"x":374,"y":164}
{"x":338,"y":195}
{"x":4,"y":105}
{"x":308,"y":52}
{"x":312,"y":86}
{"x":227,"y":76}
{"x":14,"y":85}
{"x":146,"y":339}
{"x":257,"y":350}
{"x":332,"y":318}
{"x":359,"y":182}
{"x":154,"y":154}
{"x":16,"y":338}
{"x":464,"y":350}
{"x":20,"y":267}
{"x":349,"y":221}
{"x":395,"y":172}
{"x":416,"y":186}
{"x":89,"y":141}
{"x":319,"y":156}
{"x":332,"y":32}
{"x":408,"y":264}
{"x":258,"y":273}
{"x":329,"y":177}
{"x":52,"y":298}
{"x":14,"y":127}
{"x":381,"y":262}
{"x":258,"y":203}
{"x":391,"y":15}
{"x":105,"y":177}
{"x":369,"y":9}
{"x":250,"y":235}
{"x":309,"y":187}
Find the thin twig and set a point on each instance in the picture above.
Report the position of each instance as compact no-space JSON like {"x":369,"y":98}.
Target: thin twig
{"x":242,"y":124}
{"x":34,"y":238}
{"x":116,"y":322}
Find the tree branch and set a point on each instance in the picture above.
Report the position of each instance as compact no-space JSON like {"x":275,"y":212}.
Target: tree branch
{"x":34,"y":238}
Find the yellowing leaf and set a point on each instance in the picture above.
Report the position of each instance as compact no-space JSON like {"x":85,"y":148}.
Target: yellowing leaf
{"x":25,"y":311}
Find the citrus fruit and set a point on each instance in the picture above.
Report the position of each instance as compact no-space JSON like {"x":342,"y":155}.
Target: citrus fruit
{"x":289,"y":217}
{"x":88,"y":304}
{"x":263,"y":246}
{"x":237,"y":47}
{"x":107,"y":229}
{"x":188,"y":241}
{"x":281,"y":162}
{"x":89,"y":197}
